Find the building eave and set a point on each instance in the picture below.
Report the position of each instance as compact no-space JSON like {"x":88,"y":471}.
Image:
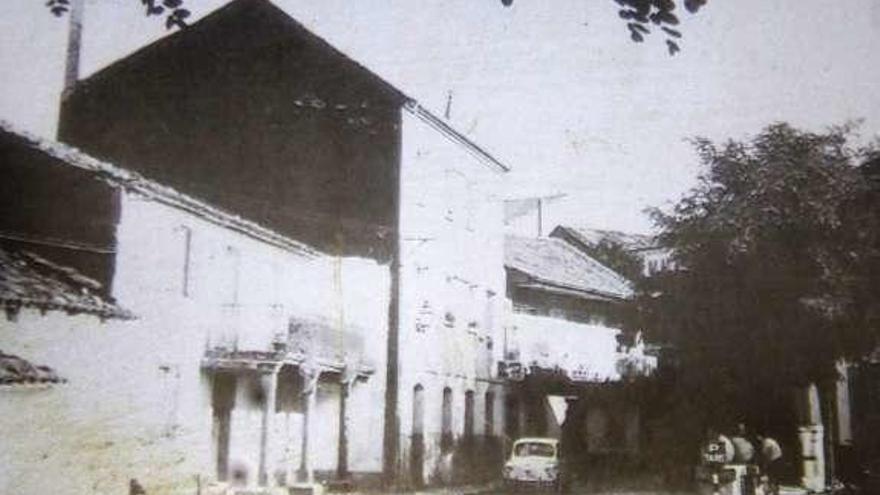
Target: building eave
{"x":562,"y":289}
{"x":449,"y":132}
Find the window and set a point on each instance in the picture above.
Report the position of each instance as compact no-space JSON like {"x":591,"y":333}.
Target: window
{"x":535,"y":449}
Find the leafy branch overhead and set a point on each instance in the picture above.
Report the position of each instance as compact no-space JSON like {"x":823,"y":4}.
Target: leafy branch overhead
{"x":643,"y":15}
{"x":173,"y":10}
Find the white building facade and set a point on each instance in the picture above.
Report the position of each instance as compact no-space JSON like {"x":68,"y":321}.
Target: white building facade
{"x":182,"y":395}
{"x":451,"y":305}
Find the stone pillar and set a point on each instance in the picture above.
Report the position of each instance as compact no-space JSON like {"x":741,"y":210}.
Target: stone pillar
{"x":811,"y":439}
{"x":845,"y":464}
{"x":222,"y":402}
{"x":269,"y":382}
{"x":310,"y":375}
{"x":843,"y":406}
{"x":344,"y":418}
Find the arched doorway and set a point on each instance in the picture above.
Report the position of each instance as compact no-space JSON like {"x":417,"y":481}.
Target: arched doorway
{"x":446,"y":422}
{"x":417,"y":440}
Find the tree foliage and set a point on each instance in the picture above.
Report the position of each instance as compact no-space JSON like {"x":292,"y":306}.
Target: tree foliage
{"x":778,"y":244}
{"x":615,"y":256}
{"x":172,"y":10}
{"x":640,"y":15}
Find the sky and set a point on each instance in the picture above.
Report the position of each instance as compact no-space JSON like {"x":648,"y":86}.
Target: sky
{"x":556,"y":90}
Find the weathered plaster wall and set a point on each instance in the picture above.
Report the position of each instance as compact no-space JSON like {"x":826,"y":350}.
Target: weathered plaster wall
{"x":137,"y":403}
{"x":452,"y":290}
{"x":128,"y":410}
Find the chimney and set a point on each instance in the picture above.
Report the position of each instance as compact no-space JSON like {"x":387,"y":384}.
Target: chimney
{"x":74,"y":44}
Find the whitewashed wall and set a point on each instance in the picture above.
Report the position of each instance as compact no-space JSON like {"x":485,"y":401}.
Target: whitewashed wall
{"x":552,"y":342}
{"x":128,"y":410}
{"x":137,"y":404}
{"x":451,"y":283}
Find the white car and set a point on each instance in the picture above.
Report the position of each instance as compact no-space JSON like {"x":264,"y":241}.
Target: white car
{"x":533,"y":463}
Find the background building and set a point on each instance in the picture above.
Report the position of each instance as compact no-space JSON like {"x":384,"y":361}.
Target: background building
{"x":571,"y":370}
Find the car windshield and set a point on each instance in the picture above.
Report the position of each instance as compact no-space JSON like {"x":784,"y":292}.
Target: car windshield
{"x":536,"y":449}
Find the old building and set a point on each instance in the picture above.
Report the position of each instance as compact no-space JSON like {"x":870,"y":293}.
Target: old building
{"x":654,"y":257}
{"x":171,"y":342}
{"x":569,"y":369}
{"x":248,"y":110}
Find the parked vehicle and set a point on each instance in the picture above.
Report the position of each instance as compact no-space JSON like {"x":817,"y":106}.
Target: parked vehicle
{"x":534,"y":463}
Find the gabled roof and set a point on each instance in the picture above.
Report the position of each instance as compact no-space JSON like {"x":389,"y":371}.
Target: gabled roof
{"x":28,"y":280}
{"x":65,"y":155}
{"x":271,"y":25}
{"x":556,"y":264}
{"x":266,"y":25}
{"x":591,"y":237}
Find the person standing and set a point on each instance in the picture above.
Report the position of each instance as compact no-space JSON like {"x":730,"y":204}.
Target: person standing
{"x":743,"y":450}
{"x":771,"y":460}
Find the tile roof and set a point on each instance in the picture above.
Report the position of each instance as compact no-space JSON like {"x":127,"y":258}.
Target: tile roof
{"x":17,"y":371}
{"x":590,"y":237}
{"x":28,"y":280}
{"x":558,"y":264}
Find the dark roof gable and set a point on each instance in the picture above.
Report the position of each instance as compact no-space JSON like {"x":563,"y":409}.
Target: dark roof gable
{"x":241,"y":26}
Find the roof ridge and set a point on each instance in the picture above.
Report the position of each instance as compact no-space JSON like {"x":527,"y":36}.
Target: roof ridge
{"x":406,"y":101}
{"x":67,"y":271}
{"x":219,"y":12}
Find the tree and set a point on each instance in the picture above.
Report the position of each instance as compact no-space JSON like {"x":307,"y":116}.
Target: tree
{"x":639,"y":15}
{"x":173,"y":10}
{"x":776,"y":285}
{"x":615,"y":256}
